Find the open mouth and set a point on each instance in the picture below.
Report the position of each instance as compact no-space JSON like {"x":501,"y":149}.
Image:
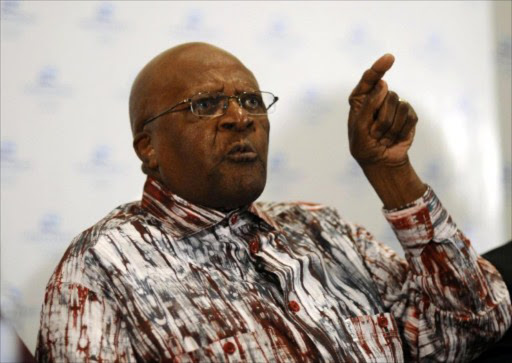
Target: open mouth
{"x":241,"y":152}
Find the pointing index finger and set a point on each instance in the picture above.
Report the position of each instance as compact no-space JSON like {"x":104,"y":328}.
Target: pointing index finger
{"x":372,"y":75}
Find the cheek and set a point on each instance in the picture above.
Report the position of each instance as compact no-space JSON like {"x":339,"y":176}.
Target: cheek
{"x":263,"y":137}
{"x":192,"y":152}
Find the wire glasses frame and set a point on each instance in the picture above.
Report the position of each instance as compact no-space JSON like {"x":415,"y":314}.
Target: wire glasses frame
{"x":216,"y":104}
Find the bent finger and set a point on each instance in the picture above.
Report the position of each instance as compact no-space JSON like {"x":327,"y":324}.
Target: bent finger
{"x":399,"y":121}
{"x":409,"y":126}
{"x":371,"y":105}
{"x":385,"y":115}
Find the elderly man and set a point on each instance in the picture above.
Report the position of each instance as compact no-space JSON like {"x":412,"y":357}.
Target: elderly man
{"x":196,"y":271}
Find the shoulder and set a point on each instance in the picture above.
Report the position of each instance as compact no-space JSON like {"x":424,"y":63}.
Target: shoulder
{"x":82,"y":260}
{"x":118,"y":219}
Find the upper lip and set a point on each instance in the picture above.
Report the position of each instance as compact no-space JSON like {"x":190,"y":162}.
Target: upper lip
{"x":240,"y":147}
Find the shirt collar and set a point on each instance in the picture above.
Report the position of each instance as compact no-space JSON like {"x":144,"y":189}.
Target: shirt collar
{"x":186,"y":218}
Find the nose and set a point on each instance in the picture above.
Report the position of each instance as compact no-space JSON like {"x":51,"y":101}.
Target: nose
{"x":235,"y":118}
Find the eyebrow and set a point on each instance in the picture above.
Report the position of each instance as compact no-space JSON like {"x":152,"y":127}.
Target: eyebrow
{"x":238,"y":91}
{"x":206,"y":89}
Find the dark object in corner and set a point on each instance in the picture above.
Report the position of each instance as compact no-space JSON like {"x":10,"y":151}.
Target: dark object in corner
{"x":500,"y":257}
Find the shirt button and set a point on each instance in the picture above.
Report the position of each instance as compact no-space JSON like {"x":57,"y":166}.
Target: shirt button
{"x":383,"y":321}
{"x":234,"y":218}
{"x":229,"y":348}
{"x":294,"y":306}
{"x":254,"y":247}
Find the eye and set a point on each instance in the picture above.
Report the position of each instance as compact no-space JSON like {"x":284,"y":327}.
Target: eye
{"x":206,"y":104}
{"x":252,"y":101}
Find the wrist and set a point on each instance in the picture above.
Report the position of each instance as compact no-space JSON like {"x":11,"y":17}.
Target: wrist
{"x":396,"y":185}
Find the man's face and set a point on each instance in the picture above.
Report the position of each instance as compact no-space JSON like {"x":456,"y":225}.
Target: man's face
{"x":218,"y":162}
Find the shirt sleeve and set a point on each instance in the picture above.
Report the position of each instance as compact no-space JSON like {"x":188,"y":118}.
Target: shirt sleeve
{"x":79,"y":325}
{"x":449,"y":302}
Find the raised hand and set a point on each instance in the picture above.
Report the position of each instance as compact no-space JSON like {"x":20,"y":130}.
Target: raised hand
{"x":381,"y":126}
{"x":381,"y":129}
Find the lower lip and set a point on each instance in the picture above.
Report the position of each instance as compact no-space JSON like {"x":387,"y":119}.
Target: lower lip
{"x":244,"y":157}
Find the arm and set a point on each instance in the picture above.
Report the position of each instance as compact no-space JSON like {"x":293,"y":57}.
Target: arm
{"x":79,"y":324}
{"x":449,"y":302}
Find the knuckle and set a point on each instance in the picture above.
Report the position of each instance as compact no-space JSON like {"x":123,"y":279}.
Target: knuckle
{"x":403,"y":108}
{"x":393,"y":96}
{"x":404,"y":104}
{"x":412,"y":115}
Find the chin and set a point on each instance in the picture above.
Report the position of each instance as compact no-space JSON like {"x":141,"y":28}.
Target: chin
{"x":236,"y":184}
{"x":244,"y":194}
{"x":240,"y":192}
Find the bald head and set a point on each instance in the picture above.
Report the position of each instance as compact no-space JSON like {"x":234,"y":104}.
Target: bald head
{"x":166,"y":75}
{"x":218,"y":162}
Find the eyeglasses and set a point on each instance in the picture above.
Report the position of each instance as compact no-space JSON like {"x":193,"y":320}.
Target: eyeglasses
{"x":216,"y":104}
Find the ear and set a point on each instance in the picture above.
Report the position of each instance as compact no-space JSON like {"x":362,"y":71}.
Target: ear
{"x":145,"y":152}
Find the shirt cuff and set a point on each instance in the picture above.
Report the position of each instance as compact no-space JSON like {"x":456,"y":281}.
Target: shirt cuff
{"x":420,"y":222}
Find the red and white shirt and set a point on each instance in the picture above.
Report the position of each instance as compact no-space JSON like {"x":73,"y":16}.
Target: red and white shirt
{"x":165,"y":280}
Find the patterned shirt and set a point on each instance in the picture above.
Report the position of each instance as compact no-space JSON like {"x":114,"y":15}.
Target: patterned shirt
{"x":165,"y":280}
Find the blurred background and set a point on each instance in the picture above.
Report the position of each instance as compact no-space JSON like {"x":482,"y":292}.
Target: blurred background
{"x":67,"y":68}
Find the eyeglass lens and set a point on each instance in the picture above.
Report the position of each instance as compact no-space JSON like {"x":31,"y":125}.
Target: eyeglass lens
{"x":209,"y":104}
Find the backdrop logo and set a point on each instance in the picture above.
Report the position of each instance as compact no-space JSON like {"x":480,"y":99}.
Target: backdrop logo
{"x":11,"y":164}
{"x":279,"y":38}
{"x":48,"y":231}
{"x":14,"y":17}
{"x":504,"y":54}
{"x":433,"y":50}
{"x":104,"y":22}
{"x":314,"y":107}
{"x":192,"y":27}
{"x":101,"y":165}
{"x":358,"y":44}
{"x":47,"y":87}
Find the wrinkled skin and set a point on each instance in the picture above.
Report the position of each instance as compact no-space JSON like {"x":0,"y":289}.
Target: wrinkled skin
{"x":191,"y":155}
{"x":381,"y":126}
{"x":188,"y":154}
{"x":381,"y":130}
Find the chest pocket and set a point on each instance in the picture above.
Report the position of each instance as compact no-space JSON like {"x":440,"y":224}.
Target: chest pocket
{"x":377,"y":337}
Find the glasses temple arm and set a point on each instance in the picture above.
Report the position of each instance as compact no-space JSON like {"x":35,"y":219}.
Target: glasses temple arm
{"x":273,"y":102}
{"x":165,"y":112}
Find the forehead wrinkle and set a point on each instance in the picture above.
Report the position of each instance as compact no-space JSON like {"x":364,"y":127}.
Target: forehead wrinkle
{"x":170,"y":76}
{"x":216,"y":80}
